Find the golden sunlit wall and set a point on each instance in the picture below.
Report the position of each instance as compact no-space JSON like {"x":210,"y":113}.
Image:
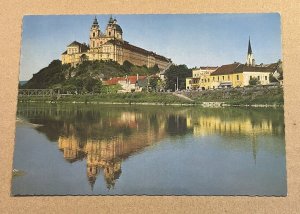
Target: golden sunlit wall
{"x":212,"y":82}
{"x":188,"y":83}
{"x":263,"y":77}
{"x":204,"y":126}
{"x":73,"y":59}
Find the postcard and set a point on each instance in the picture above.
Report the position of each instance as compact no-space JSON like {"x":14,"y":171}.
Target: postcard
{"x":152,"y":104}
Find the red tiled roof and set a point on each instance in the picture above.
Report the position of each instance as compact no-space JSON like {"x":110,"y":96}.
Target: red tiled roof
{"x":113,"y":81}
{"x":116,"y":80}
{"x":208,"y":67}
{"x":239,"y":68}
{"x":225,"y":69}
{"x":246,"y":68}
{"x":273,"y":65}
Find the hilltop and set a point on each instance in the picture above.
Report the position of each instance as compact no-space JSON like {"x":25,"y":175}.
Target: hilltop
{"x":87,"y":76}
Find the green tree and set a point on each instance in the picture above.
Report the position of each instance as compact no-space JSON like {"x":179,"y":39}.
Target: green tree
{"x":48,"y":76}
{"x":272,"y":78}
{"x":161,"y":85}
{"x":177,"y":71}
{"x":254,"y":81}
{"x":153,"y":82}
{"x":127,"y":66}
{"x":154,"y":69}
{"x":97,"y":87}
{"x":92,"y":85}
{"x":280,"y":70}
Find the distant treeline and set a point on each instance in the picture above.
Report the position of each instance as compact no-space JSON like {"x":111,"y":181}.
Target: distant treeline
{"x":88,"y":76}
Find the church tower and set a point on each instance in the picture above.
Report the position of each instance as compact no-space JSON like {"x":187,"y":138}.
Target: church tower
{"x":250,"y":58}
{"x":113,"y":30}
{"x":94,"y":33}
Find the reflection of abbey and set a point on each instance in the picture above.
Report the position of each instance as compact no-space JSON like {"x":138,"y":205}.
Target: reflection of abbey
{"x":107,"y":154}
{"x":109,"y":45}
{"x":107,"y":137}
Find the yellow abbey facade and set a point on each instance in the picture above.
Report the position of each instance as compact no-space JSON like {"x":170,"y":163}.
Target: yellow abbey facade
{"x":109,"y":45}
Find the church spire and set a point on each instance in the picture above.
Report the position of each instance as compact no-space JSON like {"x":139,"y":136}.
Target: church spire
{"x":111,"y":20}
{"x":95,"y":22}
{"x":249,"y":47}
{"x":250,"y":61}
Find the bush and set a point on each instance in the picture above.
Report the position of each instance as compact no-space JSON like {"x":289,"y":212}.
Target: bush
{"x":254,"y":81}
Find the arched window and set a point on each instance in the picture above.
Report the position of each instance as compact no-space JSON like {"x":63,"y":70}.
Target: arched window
{"x":93,"y":43}
{"x":94,"y":34}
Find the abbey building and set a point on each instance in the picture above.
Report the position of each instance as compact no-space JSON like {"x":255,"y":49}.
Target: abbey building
{"x":109,"y":45}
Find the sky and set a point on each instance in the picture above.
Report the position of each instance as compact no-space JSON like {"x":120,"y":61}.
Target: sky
{"x":191,"y":39}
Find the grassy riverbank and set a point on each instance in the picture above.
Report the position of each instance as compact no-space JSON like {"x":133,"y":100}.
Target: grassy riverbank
{"x":130,"y":98}
{"x":240,"y":96}
{"x":233,"y":97}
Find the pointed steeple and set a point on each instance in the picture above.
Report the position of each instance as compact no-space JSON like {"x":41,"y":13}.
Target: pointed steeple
{"x":95,"y":22}
{"x":111,"y":20}
{"x":249,"y":47}
{"x":250,"y":61}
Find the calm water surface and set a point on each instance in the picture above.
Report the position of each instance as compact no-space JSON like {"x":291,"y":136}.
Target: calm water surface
{"x":158,"y":150}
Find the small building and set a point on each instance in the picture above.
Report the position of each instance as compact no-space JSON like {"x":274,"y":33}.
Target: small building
{"x":198,"y":76}
{"x":238,"y":75}
{"x":128,"y":83}
{"x":188,"y":83}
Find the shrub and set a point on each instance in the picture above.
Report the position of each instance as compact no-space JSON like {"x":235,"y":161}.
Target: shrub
{"x":254,"y":81}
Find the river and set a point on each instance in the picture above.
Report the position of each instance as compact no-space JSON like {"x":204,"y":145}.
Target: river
{"x":78,"y":149}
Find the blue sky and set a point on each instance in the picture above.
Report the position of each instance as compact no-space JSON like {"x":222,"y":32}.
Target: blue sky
{"x":191,"y":39}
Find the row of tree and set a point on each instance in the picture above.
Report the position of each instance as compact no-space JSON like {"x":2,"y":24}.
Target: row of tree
{"x":86,"y":77}
{"x":177,"y":74}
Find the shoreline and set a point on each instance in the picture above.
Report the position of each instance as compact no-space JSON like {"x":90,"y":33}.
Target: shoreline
{"x":257,"y":97}
{"x":202,"y":105}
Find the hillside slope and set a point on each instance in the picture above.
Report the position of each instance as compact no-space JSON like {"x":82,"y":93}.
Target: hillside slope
{"x":87,"y":76}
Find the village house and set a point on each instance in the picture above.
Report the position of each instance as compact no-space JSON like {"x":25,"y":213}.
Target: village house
{"x":198,"y":76}
{"x":238,"y":75}
{"x":128,"y":83}
{"x":231,"y":75}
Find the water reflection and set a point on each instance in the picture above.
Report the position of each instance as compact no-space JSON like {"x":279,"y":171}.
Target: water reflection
{"x":238,"y":122}
{"x":105,"y":136}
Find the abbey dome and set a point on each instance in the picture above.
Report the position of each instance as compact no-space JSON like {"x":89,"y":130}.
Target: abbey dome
{"x":109,"y":45}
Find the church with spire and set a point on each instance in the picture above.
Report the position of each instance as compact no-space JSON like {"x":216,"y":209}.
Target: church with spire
{"x":250,"y":61}
{"x":110,"y":45}
{"x":233,"y":75}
